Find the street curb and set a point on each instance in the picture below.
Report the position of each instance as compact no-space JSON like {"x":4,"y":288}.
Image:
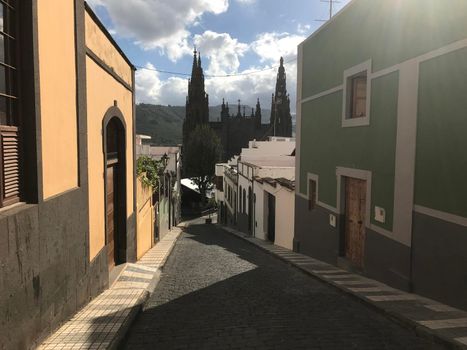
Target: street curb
{"x":125,"y":327}
{"x":403,"y":321}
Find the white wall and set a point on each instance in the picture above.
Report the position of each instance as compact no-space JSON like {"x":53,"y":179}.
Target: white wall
{"x":285,"y":214}
{"x":234,"y":193}
{"x":220,"y":168}
{"x":269,"y":148}
{"x":244,"y":183}
{"x":275,"y":173}
{"x":260,"y":212}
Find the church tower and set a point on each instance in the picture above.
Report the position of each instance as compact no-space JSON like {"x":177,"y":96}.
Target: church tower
{"x":197,"y":101}
{"x":281,"y":119}
{"x":258,"y":115}
{"x":225,"y":113}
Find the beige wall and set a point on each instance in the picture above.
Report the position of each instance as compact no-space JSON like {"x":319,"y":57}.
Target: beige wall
{"x":285,"y":217}
{"x":102,"y":90}
{"x":145,"y":219}
{"x":98,"y":43}
{"x":56,"y":38}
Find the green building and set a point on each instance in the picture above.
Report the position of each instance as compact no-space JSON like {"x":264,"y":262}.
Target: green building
{"x":382,"y":144}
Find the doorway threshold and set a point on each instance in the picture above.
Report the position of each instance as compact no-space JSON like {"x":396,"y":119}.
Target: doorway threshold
{"x":347,"y":265}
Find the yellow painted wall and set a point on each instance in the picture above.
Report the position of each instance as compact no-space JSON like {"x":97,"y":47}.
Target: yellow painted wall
{"x":56,"y":38}
{"x":98,"y":43}
{"x":102,"y":90}
{"x":145,"y":219}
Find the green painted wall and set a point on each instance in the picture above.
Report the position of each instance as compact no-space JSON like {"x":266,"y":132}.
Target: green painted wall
{"x":328,"y":145}
{"x":387,"y":31}
{"x":441,"y":165}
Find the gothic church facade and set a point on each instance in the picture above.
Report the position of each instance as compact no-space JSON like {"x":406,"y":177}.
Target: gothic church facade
{"x":237,"y":129}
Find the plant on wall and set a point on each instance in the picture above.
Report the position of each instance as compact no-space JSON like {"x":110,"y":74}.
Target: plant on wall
{"x":149,"y":170}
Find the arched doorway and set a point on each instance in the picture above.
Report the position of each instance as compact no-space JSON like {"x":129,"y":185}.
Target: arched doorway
{"x":115,"y":188}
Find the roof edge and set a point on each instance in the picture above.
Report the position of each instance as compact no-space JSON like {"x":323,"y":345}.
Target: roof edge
{"x":329,"y":22}
{"x":101,"y":26}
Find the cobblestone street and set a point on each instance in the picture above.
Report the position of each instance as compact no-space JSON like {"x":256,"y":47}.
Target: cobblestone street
{"x":219,"y":292}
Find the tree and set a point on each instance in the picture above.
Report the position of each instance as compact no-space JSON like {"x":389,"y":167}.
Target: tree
{"x":201,"y":153}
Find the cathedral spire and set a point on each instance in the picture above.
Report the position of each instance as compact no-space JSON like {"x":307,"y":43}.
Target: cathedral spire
{"x":197,"y":105}
{"x":281,"y":119}
{"x":258,"y":115}
{"x":195,"y":65}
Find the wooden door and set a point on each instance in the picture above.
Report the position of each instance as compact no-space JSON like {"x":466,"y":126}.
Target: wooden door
{"x":271,"y":218}
{"x":110,"y":214}
{"x":355,"y":208}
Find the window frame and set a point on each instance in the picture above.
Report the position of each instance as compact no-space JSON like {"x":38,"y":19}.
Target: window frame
{"x":350,"y":75}
{"x":11,"y":128}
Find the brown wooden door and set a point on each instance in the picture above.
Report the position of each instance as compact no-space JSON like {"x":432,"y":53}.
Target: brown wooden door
{"x":271,"y":218}
{"x":355,"y":208}
{"x":110,"y":214}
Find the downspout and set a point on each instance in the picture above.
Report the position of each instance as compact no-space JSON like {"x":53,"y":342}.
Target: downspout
{"x":254,"y":203}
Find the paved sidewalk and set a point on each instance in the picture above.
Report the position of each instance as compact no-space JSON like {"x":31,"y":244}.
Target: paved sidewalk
{"x":428,"y":318}
{"x":104,"y":321}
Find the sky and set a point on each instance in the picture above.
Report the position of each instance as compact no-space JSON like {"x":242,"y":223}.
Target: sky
{"x":243,"y":39}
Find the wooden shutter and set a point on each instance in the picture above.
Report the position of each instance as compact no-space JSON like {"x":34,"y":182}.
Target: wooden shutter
{"x":9,"y":165}
{"x":359,"y":86}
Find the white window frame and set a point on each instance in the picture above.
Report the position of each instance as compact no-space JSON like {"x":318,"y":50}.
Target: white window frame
{"x":349,"y":74}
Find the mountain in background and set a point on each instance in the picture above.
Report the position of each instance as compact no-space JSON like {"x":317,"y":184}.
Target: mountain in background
{"x":165,"y":123}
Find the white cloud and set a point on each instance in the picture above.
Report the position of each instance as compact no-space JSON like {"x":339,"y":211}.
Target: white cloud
{"x":221,"y":55}
{"x":150,"y":88}
{"x":158,"y":24}
{"x":270,"y":46}
{"x":94,"y":3}
{"x":303,"y":29}
{"x":246,"y":2}
{"x":249,"y":87}
{"x":223,"y":51}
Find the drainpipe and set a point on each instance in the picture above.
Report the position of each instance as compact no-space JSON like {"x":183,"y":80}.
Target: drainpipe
{"x":253,"y":207}
{"x":411,"y":289}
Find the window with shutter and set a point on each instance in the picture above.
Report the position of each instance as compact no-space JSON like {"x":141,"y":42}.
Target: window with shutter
{"x":357,"y":95}
{"x":10,"y":184}
{"x":358,"y":99}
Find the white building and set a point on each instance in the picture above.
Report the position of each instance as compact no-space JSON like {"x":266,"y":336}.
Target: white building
{"x":255,"y":191}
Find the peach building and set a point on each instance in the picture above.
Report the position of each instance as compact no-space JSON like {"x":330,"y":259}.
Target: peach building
{"x":67,"y":159}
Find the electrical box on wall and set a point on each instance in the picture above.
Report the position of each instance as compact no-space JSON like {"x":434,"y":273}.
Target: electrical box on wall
{"x":380,"y":215}
{"x":332,"y":220}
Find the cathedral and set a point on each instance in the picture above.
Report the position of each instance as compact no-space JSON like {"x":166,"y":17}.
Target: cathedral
{"x":235,"y":130}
